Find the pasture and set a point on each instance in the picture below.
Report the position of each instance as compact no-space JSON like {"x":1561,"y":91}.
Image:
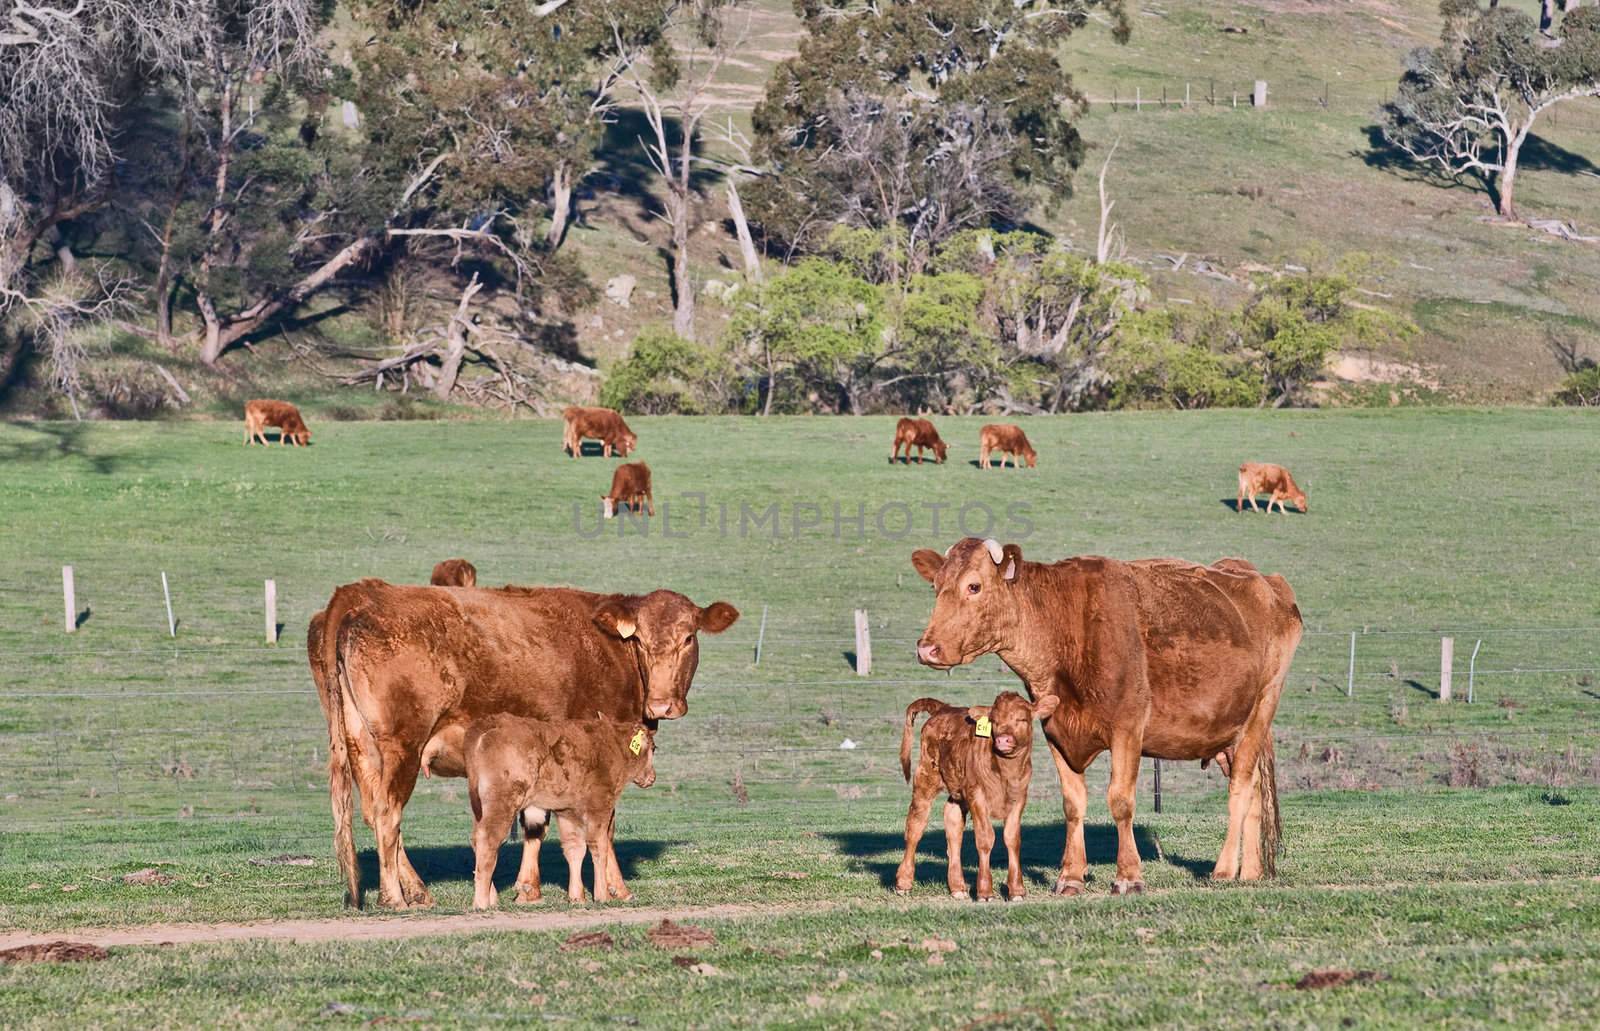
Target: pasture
{"x":1451,"y":849}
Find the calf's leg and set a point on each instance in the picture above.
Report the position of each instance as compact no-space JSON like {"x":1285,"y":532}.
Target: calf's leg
{"x":1119,"y":798}
{"x":1013,"y":837}
{"x":983,"y":837}
{"x":614,"y":884}
{"x":923,"y":787}
{"x":955,"y":824}
{"x":534,"y":823}
{"x":486,"y":836}
{"x":573,"y":847}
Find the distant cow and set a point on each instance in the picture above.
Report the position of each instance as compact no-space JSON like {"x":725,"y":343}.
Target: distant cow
{"x":600,"y":424}
{"x":260,"y":414}
{"x":1161,"y":657}
{"x":1256,"y":477}
{"x":1008,"y":440}
{"x":630,"y":486}
{"x":921,"y":434}
{"x":574,"y":769}
{"x":454,"y":572}
{"x":982,"y":758}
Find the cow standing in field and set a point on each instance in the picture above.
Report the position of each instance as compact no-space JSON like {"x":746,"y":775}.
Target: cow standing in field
{"x":602,"y":424}
{"x":919,"y":433}
{"x":261,"y":413}
{"x":454,"y":572}
{"x":1256,"y":477}
{"x":403,"y":672}
{"x":630,"y":486}
{"x":575,"y":769}
{"x":1009,"y":441}
{"x":1160,"y":657}
{"x":982,"y":758}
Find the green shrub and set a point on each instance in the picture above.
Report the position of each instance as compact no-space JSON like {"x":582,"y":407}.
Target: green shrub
{"x":665,"y":374}
{"x":1581,"y":388}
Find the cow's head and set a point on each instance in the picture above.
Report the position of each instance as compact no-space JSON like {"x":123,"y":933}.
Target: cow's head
{"x":608,"y":506}
{"x":1011,"y":721}
{"x":300,"y":434}
{"x":975,"y":603}
{"x":1299,"y":500}
{"x":664,"y":627}
{"x":940,"y":449}
{"x":1030,"y":455}
{"x":627,"y":442}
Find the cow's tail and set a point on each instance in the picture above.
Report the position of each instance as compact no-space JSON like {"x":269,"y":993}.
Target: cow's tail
{"x":1271,"y":819}
{"x":915,"y":709}
{"x":341,"y":775}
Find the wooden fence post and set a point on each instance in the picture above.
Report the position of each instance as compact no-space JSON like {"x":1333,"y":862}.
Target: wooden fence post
{"x":166,"y":593}
{"x":69,"y":599}
{"x":1447,"y":649}
{"x":1138,"y":99}
{"x":863,"y":644}
{"x":1186,"y":96}
{"x":1260,"y":97}
{"x":272,"y":612}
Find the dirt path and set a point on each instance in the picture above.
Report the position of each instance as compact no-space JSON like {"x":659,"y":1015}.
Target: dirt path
{"x":355,"y":929}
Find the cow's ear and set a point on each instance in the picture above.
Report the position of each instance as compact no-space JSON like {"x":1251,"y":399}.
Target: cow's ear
{"x":1010,"y":562}
{"x":616,"y":616}
{"x":927,"y":563}
{"x":717,"y":617}
{"x":1046,"y":706}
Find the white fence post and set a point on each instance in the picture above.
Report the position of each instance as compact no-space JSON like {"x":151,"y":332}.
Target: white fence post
{"x":1447,"y":649}
{"x":1260,"y":97}
{"x":761,"y":635}
{"x":863,"y":644}
{"x":1472,"y":669}
{"x":272,"y":612}
{"x":1350,"y":679}
{"x":69,"y":599}
{"x":172,"y":624}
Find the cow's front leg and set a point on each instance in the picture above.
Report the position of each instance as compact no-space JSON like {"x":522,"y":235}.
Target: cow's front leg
{"x":1015,"y":890}
{"x":619,"y":890}
{"x":983,"y":837}
{"x":1119,"y":798}
{"x":1074,"y":802}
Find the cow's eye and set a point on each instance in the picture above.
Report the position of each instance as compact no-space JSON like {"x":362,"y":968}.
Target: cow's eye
{"x":974,"y":587}
{"x":689,"y":639}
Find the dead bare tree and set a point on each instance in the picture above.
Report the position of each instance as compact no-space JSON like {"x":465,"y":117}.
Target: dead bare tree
{"x":1110,"y":234}
{"x":742,"y":167}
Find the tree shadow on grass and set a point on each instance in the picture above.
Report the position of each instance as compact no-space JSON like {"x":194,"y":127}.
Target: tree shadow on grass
{"x":445,"y":863}
{"x":879,"y":852}
{"x":53,"y":440}
{"x":1538,"y":155}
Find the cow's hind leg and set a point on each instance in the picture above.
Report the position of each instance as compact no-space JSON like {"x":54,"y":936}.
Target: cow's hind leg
{"x":955,"y":824}
{"x":1242,"y":795}
{"x":1074,"y":802}
{"x":534,"y":823}
{"x":486,"y":838}
{"x":1119,"y":798}
{"x":923,"y":788}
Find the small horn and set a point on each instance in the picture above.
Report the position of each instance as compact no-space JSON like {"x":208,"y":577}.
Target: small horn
{"x":995,"y":551}
{"x":948,"y":550}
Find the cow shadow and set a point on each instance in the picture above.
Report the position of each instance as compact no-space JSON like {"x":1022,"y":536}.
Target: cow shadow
{"x":444,"y":863}
{"x":879,"y":852}
{"x":1232,"y":505}
{"x":1417,"y":686}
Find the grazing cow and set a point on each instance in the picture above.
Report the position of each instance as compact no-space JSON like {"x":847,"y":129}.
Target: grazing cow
{"x":1256,"y":477}
{"x":600,"y":424}
{"x":405,"y":671}
{"x":630,"y":486}
{"x":918,"y":432}
{"x":1160,"y":657}
{"x":1008,"y":440}
{"x":260,"y":414}
{"x":454,"y":572}
{"x":982,"y":758}
{"x":575,"y":769}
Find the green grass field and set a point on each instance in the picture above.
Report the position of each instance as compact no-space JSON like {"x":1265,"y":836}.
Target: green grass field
{"x":203,"y":755}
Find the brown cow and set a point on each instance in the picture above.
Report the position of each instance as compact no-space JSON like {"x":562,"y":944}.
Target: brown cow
{"x":1161,"y":657}
{"x":454,"y":572}
{"x":402,"y":671}
{"x":982,"y":758}
{"x":918,"y":432}
{"x":260,"y":414}
{"x":602,"y":424}
{"x":575,"y":769}
{"x":630,"y":486}
{"x":1008,"y":440}
{"x":1255,"y":477}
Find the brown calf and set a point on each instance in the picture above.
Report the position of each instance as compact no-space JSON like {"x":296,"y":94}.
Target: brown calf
{"x":260,"y":414}
{"x":1008,"y":440}
{"x":982,"y":758}
{"x":600,"y":424}
{"x":921,"y":434}
{"x":1256,"y":477}
{"x":630,"y":486}
{"x":454,"y":572}
{"x":575,"y":769}
{"x":1161,"y":657}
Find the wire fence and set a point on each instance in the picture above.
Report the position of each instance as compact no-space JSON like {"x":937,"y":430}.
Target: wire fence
{"x":129,"y":717}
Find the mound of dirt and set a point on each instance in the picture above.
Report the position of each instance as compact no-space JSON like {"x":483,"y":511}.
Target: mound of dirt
{"x":1337,"y":978}
{"x":668,"y":935}
{"x":588,"y":940}
{"x":54,"y":952}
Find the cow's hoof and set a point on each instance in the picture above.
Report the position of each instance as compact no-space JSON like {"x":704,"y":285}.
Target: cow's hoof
{"x":1121,"y":887}
{"x":960,"y":896}
{"x":620,"y":896}
{"x":902,"y":892}
{"x":1068,"y":886}
{"x":1017,"y":896}
{"x":528,"y":898}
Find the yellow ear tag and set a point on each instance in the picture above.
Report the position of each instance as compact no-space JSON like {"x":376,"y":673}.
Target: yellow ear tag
{"x":637,"y":744}
{"x":984,"y":728}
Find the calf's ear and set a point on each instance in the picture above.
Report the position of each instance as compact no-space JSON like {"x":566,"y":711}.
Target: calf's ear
{"x":1046,"y":706}
{"x":1010,"y":562}
{"x":615,"y":616}
{"x":717,"y":617}
{"x":975,"y":712}
{"x":927,"y":563}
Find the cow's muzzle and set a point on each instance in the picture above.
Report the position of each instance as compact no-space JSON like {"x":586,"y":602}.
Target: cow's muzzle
{"x":667,"y":710}
{"x":929,"y":655}
{"x":1005,"y":744}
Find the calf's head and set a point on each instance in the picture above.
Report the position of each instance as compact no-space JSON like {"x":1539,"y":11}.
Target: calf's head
{"x":975,"y":607}
{"x":1011,"y":721}
{"x":940,"y":449}
{"x":663,"y":627}
{"x":1030,"y":455}
{"x":641,"y":749}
